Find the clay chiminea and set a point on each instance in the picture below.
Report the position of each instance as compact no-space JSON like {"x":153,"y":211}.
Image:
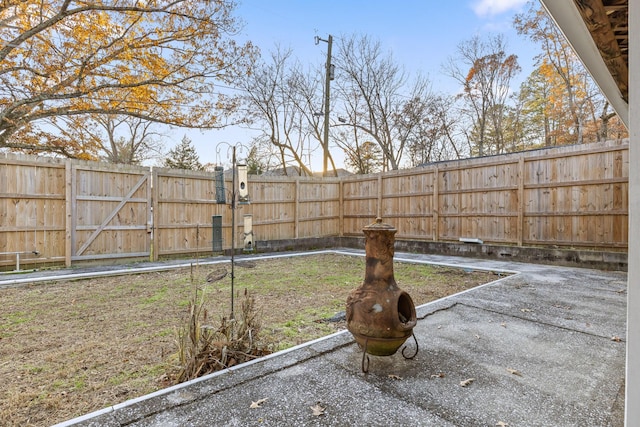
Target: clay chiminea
{"x":380,"y":315}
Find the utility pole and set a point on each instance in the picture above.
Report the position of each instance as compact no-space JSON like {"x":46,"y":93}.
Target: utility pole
{"x":329,"y":73}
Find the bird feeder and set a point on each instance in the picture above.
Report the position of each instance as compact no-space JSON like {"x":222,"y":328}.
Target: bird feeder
{"x":248,"y":233}
{"x":218,"y":172}
{"x":243,"y":187}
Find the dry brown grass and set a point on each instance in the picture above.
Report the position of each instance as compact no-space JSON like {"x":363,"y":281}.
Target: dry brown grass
{"x":69,"y":348}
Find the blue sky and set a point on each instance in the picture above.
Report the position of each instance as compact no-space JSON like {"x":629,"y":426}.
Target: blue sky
{"x":421,"y":34}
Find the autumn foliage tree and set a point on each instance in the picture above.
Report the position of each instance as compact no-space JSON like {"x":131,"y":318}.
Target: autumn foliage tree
{"x":485,"y":71}
{"x":561,"y":90}
{"x":158,"y":61}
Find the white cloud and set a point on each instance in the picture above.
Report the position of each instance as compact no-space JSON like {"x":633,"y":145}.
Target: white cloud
{"x":484,"y":8}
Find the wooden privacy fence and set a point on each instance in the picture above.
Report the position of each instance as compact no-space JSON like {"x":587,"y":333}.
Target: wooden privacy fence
{"x":571,"y":196}
{"x":61,"y":211}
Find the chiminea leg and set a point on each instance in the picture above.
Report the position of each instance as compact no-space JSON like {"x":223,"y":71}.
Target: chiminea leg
{"x":365,"y":367}
{"x":417,"y":348}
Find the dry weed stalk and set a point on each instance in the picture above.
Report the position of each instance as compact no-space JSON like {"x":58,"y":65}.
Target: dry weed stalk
{"x":203,"y":349}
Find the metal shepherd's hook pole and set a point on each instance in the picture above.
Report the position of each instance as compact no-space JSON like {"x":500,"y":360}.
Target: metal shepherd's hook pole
{"x":233,"y":226}
{"x":238,"y":197}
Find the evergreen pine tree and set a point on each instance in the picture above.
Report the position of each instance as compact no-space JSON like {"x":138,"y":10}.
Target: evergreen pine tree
{"x":183,"y":156}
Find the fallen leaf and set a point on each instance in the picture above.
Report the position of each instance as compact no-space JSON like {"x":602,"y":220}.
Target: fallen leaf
{"x":467,"y":382}
{"x":438,"y":375}
{"x":395,"y":377}
{"x":616,"y":338}
{"x":501,"y":424}
{"x":514,"y":372}
{"x":258,"y":403}
{"x":317,"y":410}
{"x":525,"y":310}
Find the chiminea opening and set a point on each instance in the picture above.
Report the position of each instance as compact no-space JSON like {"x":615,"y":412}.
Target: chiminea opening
{"x":380,"y":315}
{"x":406,"y":309}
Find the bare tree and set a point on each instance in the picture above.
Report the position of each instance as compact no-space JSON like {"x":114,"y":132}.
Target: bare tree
{"x":303,"y":91}
{"x":484,"y":71}
{"x":115,"y":139}
{"x":377,"y":95}
{"x":129,"y":140}
{"x":362,"y":155}
{"x":435,"y":136}
{"x":284,"y":100}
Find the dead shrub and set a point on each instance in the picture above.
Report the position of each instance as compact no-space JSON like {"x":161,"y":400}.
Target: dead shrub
{"x":203,"y":348}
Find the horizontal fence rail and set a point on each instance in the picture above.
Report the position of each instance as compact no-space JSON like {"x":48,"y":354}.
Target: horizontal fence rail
{"x":61,"y":211}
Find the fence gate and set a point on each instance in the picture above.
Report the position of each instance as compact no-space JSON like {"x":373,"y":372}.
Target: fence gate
{"x":110,"y":212}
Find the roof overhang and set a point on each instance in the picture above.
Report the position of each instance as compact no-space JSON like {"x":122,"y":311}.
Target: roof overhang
{"x":582,"y":21}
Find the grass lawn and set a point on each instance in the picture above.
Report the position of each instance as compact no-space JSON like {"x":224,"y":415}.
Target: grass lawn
{"x":69,"y":348}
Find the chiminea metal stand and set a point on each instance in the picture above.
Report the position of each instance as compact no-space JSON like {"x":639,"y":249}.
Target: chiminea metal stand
{"x":380,"y":315}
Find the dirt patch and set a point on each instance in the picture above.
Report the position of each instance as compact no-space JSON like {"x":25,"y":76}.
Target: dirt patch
{"x":69,"y":348}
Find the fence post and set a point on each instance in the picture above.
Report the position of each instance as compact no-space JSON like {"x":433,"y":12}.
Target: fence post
{"x":341,"y":208}
{"x":520,"y":225}
{"x":69,"y":212}
{"x":155,"y":215}
{"x":379,"y":210}
{"x":296,"y":210}
{"x":436,"y":204}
